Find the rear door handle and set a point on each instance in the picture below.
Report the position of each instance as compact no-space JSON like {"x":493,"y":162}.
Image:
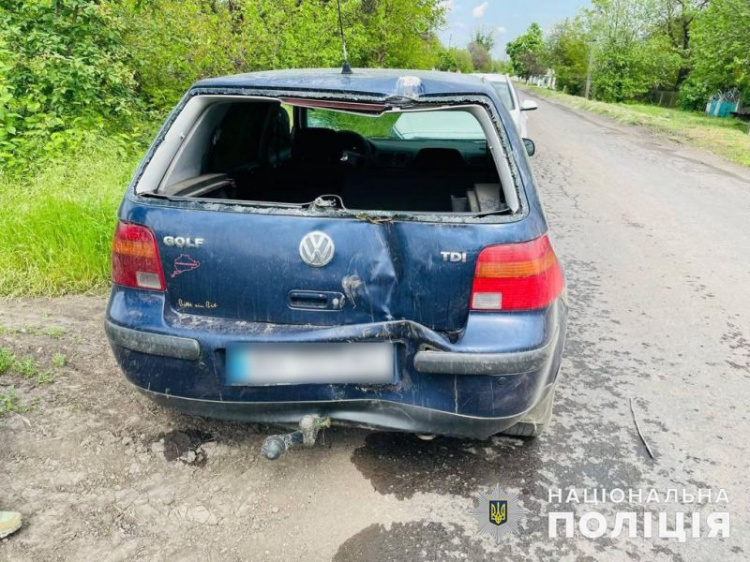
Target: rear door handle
{"x":315,"y":300}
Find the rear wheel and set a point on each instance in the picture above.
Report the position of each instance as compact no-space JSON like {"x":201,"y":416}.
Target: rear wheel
{"x":537,"y":419}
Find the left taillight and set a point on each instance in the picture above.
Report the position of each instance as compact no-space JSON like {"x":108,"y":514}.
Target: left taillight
{"x":135,"y":258}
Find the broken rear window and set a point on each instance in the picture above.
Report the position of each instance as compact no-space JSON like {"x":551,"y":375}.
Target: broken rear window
{"x":265,"y":152}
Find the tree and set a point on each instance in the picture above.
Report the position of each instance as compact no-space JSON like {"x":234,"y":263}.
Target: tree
{"x":395,"y":33}
{"x":484,"y":39}
{"x":722,"y":47}
{"x":502,"y":67}
{"x":180,"y":42}
{"x":628,"y":56}
{"x":481,"y":59}
{"x":566,"y":50}
{"x":676,"y":19}
{"x":480,"y":49}
{"x":455,"y":60}
{"x":525,"y":52}
{"x":174,"y":44}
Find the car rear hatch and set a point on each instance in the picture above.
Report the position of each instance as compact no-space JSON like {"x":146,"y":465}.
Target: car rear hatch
{"x":258,"y":268}
{"x":234,"y":248}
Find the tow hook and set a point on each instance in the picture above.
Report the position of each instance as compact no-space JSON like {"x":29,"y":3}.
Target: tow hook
{"x":309,"y":426}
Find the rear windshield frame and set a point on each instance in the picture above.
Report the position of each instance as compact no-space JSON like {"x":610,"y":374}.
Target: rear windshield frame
{"x":425,"y":102}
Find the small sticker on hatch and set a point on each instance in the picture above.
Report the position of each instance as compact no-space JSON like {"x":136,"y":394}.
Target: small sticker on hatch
{"x":184,"y":263}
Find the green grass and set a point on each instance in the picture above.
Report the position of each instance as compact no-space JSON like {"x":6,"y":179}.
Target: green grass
{"x":44,"y":377}
{"x":28,"y":368}
{"x":55,"y":332}
{"x":57,"y":225}
{"x":9,"y":402}
{"x":726,"y":137}
{"x":7,"y":360}
{"x":59,"y":360}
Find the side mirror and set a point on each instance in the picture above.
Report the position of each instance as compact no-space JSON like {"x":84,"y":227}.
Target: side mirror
{"x":529,"y":105}
{"x":530,"y":147}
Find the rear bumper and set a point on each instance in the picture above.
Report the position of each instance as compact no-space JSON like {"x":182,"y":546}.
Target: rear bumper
{"x":508,"y":363}
{"x":425,"y":361}
{"x":370,"y":414}
{"x":152,"y":343}
{"x":473,"y":384}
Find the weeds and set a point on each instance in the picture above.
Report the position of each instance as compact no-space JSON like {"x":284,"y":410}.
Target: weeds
{"x":9,"y":402}
{"x":28,"y":367}
{"x":59,"y":360}
{"x":7,"y":360}
{"x":24,"y":330}
{"x":55,"y":332}
{"x":44,"y":377}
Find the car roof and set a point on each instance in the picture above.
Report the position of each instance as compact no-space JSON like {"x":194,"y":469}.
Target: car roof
{"x":376,"y":82}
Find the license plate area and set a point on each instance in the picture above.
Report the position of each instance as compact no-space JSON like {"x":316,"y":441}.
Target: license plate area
{"x":264,"y":364}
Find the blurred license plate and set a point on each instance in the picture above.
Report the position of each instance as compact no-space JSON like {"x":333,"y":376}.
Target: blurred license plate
{"x":310,"y":363}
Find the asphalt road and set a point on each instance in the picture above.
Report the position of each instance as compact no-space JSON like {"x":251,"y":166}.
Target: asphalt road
{"x":653,"y":237}
{"x":655,"y":244}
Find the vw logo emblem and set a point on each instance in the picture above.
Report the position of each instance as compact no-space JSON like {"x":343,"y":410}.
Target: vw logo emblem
{"x":316,"y":249}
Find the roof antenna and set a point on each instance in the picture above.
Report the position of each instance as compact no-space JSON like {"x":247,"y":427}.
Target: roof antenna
{"x":346,"y":69}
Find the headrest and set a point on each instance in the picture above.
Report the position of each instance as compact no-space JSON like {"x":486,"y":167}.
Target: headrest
{"x":279,"y":136}
{"x":316,"y":145}
{"x":441,"y":159}
{"x":280,"y":119}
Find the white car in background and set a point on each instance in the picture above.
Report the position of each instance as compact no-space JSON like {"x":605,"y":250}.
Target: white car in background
{"x":507,"y":93}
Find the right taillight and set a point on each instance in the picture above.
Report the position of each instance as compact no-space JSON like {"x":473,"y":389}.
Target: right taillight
{"x":135,"y":258}
{"x":522,"y":276}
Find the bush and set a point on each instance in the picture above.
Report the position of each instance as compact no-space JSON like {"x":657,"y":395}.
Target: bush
{"x":64,"y":77}
{"x":694,"y":95}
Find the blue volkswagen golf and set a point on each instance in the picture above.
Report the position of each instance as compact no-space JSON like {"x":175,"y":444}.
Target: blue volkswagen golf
{"x":307,"y":247}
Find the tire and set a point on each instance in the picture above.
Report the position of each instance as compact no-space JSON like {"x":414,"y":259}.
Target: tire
{"x":536,"y":420}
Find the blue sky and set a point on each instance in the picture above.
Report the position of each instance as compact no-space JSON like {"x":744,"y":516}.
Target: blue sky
{"x":506,"y":18}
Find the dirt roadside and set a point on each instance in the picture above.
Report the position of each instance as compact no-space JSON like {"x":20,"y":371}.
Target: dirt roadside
{"x":100,"y":473}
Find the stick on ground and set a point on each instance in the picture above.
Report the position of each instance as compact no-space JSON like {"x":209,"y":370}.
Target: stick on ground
{"x":638,"y":429}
